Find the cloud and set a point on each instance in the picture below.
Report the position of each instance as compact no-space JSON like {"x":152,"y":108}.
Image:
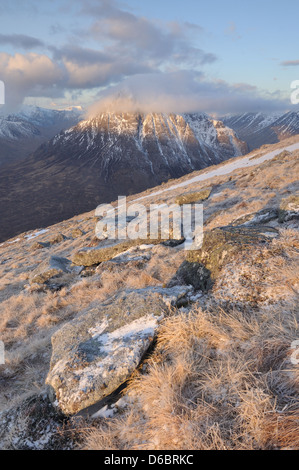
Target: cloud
{"x":144,"y":64}
{"x":144,"y":39}
{"x":183,"y":91}
{"x":290,"y":63}
{"x":125,"y":45}
{"x":20,"y":40}
{"x":29,"y":74}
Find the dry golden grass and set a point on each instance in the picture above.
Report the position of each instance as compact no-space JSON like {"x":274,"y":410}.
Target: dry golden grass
{"x":218,"y":380}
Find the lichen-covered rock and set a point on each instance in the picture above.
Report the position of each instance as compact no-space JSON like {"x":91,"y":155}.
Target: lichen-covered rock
{"x":58,"y":238}
{"x":222,"y":244}
{"x":261,"y":217}
{"x":39,"y":246}
{"x":52,"y":269}
{"x":34,"y":424}
{"x":98,"y":351}
{"x":99,"y":254}
{"x":193,"y":197}
{"x":194,"y":274}
{"x":289,"y":208}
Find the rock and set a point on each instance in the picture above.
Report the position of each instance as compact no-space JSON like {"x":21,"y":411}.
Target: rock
{"x":39,"y":246}
{"x":289,"y":208}
{"x":194,"y":274}
{"x":52,"y":269}
{"x":57,"y":239}
{"x":77,"y":233}
{"x":33,"y":424}
{"x":97,"y":255}
{"x":133,"y":258}
{"x":222,"y":244}
{"x":173,"y":243}
{"x":98,"y":351}
{"x":193,"y":197}
{"x":261,"y":217}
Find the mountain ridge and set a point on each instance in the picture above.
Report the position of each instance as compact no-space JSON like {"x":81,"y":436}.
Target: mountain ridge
{"x":258,"y":129}
{"x":101,"y":158}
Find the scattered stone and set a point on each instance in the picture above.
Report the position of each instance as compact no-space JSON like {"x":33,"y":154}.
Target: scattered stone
{"x":99,"y":350}
{"x":173,"y":243}
{"x":34,"y":425}
{"x":59,"y":238}
{"x":51,"y":269}
{"x":97,"y":255}
{"x":77,"y":233}
{"x":193,"y":197}
{"x":39,"y":246}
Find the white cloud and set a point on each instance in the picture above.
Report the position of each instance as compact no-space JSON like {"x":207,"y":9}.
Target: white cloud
{"x":183,"y":91}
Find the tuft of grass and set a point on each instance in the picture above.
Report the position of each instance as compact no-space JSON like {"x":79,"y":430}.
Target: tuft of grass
{"x":218,"y":379}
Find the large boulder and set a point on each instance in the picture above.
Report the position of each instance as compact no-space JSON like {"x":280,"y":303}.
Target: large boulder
{"x":222,"y":244}
{"x":98,"y":351}
{"x":99,"y":254}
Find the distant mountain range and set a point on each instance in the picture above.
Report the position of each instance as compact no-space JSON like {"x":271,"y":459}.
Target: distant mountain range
{"x":258,"y":129}
{"x":87,"y":162}
{"x":25,"y":131}
{"x":106,"y":156}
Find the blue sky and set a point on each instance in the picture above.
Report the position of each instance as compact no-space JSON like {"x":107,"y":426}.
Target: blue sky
{"x":213,"y":56}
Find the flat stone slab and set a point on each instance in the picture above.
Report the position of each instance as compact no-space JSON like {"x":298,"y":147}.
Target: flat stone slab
{"x":49,"y":269}
{"x":222,"y":244}
{"x":98,"y":351}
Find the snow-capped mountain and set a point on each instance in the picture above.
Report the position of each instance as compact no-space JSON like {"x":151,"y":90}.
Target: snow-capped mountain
{"x":23,"y":132}
{"x":106,"y":156}
{"x":257,"y":129}
{"x":43,"y":117}
{"x":166,"y":145}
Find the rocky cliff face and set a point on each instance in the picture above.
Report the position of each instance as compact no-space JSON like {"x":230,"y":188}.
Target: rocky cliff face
{"x":162,"y":145}
{"x":109,"y":155}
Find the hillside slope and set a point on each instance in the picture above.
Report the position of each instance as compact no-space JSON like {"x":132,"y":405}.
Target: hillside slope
{"x":25,"y":131}
{"x":223,"y":371}
{"x":258,"y":129}
{"x":104,"y":157}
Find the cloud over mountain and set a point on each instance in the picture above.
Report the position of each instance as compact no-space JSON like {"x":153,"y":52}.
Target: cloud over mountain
{"x":182,"y":91}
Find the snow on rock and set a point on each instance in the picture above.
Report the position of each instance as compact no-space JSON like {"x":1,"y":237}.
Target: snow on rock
{"x":36,"y":234}
{"x":98,"y":351}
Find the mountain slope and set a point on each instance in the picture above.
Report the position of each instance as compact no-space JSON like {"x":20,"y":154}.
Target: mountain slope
{"x":230,"y":345}
{"x":258,"y":129}
{"x":25,"y":131}
{"x":107,"y":156}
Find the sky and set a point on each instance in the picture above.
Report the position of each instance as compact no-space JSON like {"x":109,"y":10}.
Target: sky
{"x":155,"y":55}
